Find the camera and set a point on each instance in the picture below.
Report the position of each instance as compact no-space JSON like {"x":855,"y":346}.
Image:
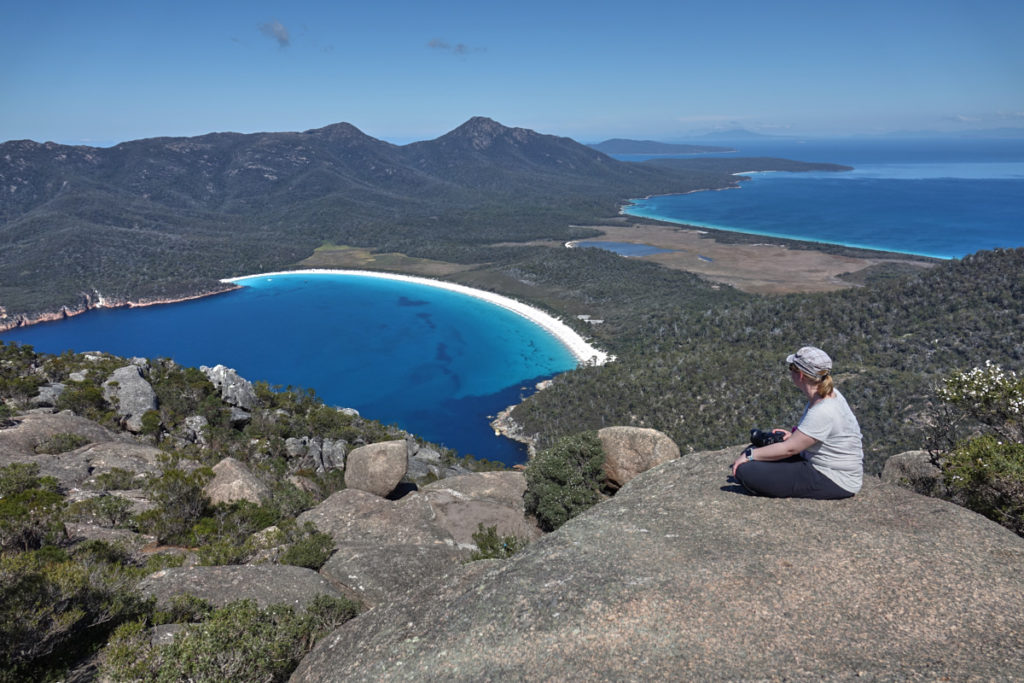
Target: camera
{"x":759,"y":438}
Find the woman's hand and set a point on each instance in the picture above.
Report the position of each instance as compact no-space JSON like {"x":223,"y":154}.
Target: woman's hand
{"x":785,"y":433}
{"x":739,"y":461}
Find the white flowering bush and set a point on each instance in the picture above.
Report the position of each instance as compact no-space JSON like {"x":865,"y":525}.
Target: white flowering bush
{"x":985,"y":473}
{"x":990,"y":395}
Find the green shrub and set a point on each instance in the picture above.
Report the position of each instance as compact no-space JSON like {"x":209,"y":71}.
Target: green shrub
{"x":491,"y":546}
{"x":19,"y":477}
{"x":309,"y":548}
{"x":183,"y":609}
{"x":289,"y":499}
{"x":62,"y":443}
{"x":19,"y":389}
{"x":53,"y":608}
{"x":83,"y":398}
{"x":220,"y":553}
{"x":564,"y":480}
{"x":115,"y":479}
{"x":987,"y":475}
{"x":95,"y":551}
{"x":180,"y":502}
{"x":106,"y":511}
{"x":325,"y":613}
{"x":237,"y":642}
{"x":151,"y":423}
{"x":30,"y":508}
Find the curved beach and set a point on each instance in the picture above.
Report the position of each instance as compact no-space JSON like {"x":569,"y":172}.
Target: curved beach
{"x":584,"y":353}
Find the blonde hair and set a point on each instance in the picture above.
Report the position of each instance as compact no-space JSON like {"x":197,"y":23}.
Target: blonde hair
{"x":823,"y":386}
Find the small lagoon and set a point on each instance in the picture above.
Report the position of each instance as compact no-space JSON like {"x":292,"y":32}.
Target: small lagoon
{"x":622,"y":248}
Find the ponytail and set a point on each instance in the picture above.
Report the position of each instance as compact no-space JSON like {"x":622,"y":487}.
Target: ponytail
{"x":825,"y":386}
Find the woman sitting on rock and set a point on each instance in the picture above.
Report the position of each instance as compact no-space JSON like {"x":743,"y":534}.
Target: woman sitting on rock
{"x":822,"y":457}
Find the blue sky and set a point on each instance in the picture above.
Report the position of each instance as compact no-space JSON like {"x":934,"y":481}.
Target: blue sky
{"x":102,"y":72}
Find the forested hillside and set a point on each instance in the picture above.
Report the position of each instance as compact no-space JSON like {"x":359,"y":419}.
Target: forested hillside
{"x":707,"y":366}
{"x":168,"y":217}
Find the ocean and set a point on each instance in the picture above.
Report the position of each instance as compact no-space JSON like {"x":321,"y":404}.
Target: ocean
{"x":940,"y":198}
{"x":437,"y":363}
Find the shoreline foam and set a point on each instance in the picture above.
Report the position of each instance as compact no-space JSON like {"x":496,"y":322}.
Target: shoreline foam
{"x":583,"y":352}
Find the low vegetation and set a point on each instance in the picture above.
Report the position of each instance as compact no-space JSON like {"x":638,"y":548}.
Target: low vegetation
{"x":565,"y":480}
{"x":237,"y":642}
{"x":982,"y":457}
{"x":490,"y":545}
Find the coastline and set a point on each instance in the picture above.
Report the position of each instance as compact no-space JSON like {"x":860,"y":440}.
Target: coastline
{"x":583,"y":352}
{"x":812,"y":244}
{"x":89,"y":304}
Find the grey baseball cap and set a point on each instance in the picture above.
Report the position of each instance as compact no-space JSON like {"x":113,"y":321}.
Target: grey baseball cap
{"x":812,"y":361}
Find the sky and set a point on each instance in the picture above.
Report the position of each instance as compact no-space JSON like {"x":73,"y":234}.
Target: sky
{"x":98,"y":73}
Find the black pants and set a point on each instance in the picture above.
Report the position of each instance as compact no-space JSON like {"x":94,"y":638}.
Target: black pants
{"x":790,"y":478}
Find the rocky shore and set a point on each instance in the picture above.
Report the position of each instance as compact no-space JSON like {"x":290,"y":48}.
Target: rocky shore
{"x":95,"y":300}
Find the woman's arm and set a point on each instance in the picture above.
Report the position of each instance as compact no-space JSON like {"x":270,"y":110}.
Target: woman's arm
{"x":796,"y":443}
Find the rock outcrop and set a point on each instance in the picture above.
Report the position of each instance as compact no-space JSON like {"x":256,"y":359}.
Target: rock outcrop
{"x":495,"y":499}
{"x":318,"y":454}
{"x":684,"y":576}
{"x":384,"y":547}
{"x":31,"y":429}
{"x":105,"y":451}
{"x":916,"y":471}
{"x":377,"y":467}
{"x":232,"y":481}
{"x":266,"y":584}
{"x":131,"y":395}
{"x":629,"y":451}
{"x":234,"y":389}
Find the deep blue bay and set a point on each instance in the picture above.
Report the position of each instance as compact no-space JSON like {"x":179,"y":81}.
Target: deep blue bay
{"x":435,"y":362}
{"x":941,"y":198}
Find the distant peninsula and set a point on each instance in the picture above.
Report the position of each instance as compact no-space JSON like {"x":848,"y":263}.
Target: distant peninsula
{"x":623,"y":146}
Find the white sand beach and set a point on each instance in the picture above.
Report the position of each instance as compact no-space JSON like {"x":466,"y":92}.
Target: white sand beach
{"x":584,"y":353}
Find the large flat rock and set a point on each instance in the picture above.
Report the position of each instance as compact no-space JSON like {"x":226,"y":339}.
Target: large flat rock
{"x":266,"y":584}
{"x":682,"y":576}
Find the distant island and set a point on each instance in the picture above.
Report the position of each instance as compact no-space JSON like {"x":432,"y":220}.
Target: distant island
{"x":623,"y":146}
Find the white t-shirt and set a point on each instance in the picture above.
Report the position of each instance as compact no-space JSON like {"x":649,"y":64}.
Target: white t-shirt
{"x":838,"y":454}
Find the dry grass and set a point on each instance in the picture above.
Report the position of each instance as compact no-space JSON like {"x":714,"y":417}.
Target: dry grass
{"x":339,"y":256}
{"x":753,"y":268}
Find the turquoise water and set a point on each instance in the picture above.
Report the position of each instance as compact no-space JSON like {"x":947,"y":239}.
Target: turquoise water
{"x":435,"y":362}
{"x":945,"y":198}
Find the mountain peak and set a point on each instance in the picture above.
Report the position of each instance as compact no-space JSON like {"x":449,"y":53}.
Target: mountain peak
{"x":339,"y":131}
{"x":481,"y":132}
